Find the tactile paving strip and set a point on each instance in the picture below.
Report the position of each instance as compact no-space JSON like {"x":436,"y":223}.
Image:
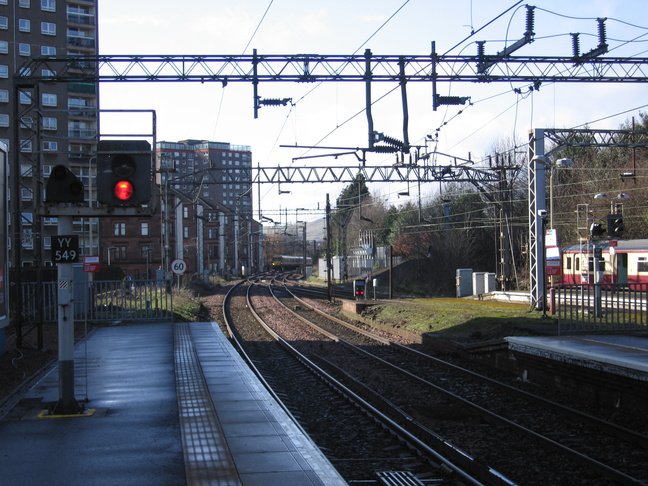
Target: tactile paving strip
{"x":207,"y":458}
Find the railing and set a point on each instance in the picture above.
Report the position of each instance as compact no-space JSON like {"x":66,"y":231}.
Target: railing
{"x":100,"y":301}
{"x":601,"y":307}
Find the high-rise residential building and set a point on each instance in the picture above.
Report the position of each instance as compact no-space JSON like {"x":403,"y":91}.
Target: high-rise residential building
{"x":213,"y":181}
{"x":56,"y":123}
{"x":213,"y":170}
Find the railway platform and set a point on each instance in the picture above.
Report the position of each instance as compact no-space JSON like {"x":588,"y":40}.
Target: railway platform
{"x":165,"y":404}
{"x":608,"y":370}
{"x":616,"y":354}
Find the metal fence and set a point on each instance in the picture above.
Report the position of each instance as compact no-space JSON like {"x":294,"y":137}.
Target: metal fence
{"x":601,"y":307}
{"x":98,"y":301}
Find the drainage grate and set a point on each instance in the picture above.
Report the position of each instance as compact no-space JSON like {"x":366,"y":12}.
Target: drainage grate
{"x":398,"y":478}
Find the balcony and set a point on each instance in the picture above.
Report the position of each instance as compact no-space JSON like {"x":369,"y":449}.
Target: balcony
{"x":82,"y":42}
{"x":82,"y":133}
{"x":81,"y":19}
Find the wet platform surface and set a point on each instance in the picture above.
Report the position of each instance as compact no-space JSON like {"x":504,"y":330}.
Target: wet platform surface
{"x":172,"y":404}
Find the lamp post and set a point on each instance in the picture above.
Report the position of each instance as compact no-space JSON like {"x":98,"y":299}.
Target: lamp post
{"x":552,"y":168}
{"x":148,"y":253}
{"x":110,"y":248}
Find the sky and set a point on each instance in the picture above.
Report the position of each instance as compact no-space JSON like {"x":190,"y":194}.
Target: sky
{"x":328,"y":115}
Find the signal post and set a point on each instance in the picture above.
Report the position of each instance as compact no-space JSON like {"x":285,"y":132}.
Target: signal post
{"x":124,"y":188}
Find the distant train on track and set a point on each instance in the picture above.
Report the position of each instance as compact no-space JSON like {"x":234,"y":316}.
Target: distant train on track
{"x":287,"y":262}
{"x":624,"y":262}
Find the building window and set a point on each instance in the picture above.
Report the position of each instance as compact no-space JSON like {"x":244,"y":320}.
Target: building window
{"x":185,"y":231}
{"x":4,"y":47}
{"x":48,"y":51}
{"x":185,"y":212}
{"x":24,"y":49}
{"x":4,"y":23}
{"x":50,"y":146}
{"x":49,"y":99}
{"x":50,"y":123}
{"x":24,"y":25}
{"x":24,"y":96}
{"x":4,"y":96}
{"x":146,"y":250}
{"x":4,"y":71}
{"x":145,"y":229}
{"x":25,"y":146}
{"x":26,"y":122}
{"x":26,"y":194}
{"x":26,"y":170}
{"x":48,"y":28}
{"x":48,"y":73}
{"x":4,"y":120}
{"x":24,"y":3}
{"x":48,"y":5}
{"x":119,"y":229}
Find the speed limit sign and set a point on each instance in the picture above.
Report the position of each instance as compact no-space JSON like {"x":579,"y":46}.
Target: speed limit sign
{"x":178,"y":266}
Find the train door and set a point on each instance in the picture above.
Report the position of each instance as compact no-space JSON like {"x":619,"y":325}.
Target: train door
{"x":621,"y":268}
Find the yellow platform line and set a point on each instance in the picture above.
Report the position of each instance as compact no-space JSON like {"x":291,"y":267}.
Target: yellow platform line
{"x":87,"y":413}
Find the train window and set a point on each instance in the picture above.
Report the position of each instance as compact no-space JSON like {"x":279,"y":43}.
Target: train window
{"x":642,"y":264}
{"x":568,"y":263}
{"x":577,"y":264}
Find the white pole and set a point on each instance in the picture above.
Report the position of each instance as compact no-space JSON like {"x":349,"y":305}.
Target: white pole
{"x":67,"y":404}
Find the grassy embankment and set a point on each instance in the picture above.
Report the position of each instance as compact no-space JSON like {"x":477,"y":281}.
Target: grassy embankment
{"x":461,"y":319}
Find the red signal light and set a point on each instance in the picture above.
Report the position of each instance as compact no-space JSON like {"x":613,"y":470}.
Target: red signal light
{"x":123,"y":190}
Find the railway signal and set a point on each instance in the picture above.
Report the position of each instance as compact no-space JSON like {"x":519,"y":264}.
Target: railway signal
{"x":597,"y":229}
{"x":615,"y":225}
{"x":124,"y":172}
{"x":63,"y":186}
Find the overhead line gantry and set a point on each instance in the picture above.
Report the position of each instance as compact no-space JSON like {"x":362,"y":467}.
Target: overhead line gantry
{"x":368,"y":68}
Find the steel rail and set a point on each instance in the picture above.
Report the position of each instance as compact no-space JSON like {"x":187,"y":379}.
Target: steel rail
{"x":618,"y":431}
{"x":486,"y":414}
{"x":406,"y":435}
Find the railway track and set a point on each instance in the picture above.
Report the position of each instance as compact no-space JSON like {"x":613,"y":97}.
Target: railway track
{"x":359,"y":440}
{"x":568,"y":446}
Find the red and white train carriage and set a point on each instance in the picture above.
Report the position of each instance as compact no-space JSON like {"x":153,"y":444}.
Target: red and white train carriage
{"x":625,"y":262}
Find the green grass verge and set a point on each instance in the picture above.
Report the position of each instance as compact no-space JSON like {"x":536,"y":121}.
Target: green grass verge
{"x":459,"y":318}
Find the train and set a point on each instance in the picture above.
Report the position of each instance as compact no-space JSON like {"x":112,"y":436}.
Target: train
{"x":287,"y":262}
{"x":624,"y":262}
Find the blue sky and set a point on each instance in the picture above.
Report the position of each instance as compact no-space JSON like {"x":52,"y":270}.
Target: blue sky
{"x":497,"y":116}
